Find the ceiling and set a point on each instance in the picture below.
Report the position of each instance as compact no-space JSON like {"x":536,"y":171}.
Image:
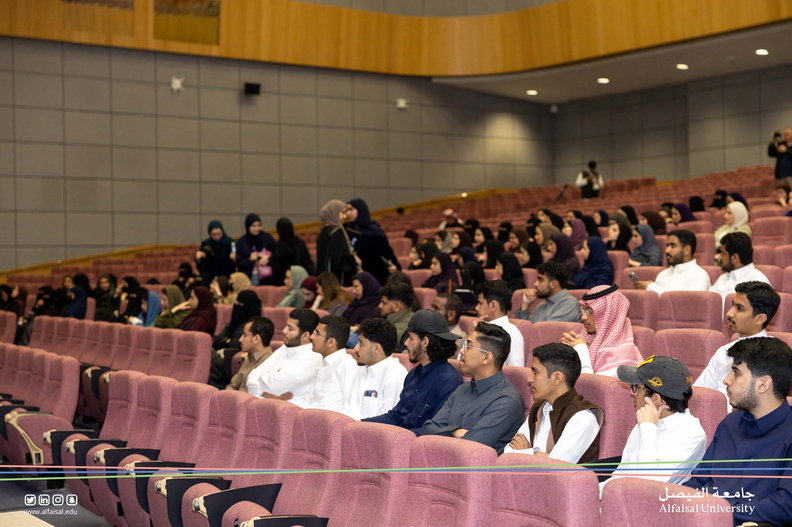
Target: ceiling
{"x":718,"y":55}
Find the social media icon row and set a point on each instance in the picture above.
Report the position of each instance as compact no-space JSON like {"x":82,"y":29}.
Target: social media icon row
{"x":44,"y":500}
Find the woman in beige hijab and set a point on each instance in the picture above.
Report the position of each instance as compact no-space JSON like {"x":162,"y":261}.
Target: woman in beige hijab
{"x":735,"y":220}
{"x":333,"y":246}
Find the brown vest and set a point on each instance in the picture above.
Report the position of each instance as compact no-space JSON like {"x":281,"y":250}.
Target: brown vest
{"x":564,"y":408}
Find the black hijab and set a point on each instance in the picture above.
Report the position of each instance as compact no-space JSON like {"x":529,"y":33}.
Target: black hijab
{"x":472,"y":275}
{"x":135,"y":302}
{"x":625,"y":235}
{"x":470,"y":227}
{"x":260,"y":241}
{"x":629,"y":211}
{"x":696,"y":204}
{"x":363,"y":223}
{"x":534,"y":254}
{"x":246,"y":306}
{"x":494,"y":249}
{"x":131,"y":284}
{"x":447,"y":272}
{"x":591,"y":226}
{"x":503,"y":231}
{"x":512,"y":272}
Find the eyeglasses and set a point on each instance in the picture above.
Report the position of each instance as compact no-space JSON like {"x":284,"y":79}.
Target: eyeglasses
{"x":586,"y":310}
{"x":635,"y":387}
{"x":317,"y":334}
{"x":465,"y":347}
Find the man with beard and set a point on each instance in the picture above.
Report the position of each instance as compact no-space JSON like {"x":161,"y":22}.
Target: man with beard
{"x":559,"y":305}
{"x":753,"y":308}
{"x":289,"y":373}
{"x":255,"y":341}
{"x":684,"y":274}
{"x":427,"y":386}
{"x":759,"y":381}
{"x":735,"y":256}
{"x":333,"y":384}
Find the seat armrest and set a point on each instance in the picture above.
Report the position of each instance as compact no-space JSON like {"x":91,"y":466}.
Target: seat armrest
{"x":142,"y":476}
{"x":57,"y":437}
{"x":177,"y":486}
{"x":81,"y":448}
{"x":5,"y":410}
{"x":217,"y":504}
{"x":114,"y":456}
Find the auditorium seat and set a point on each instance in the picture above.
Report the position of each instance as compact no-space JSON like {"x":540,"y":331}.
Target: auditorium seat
{"x":162,"y":359}
{"x":92,"y":346}
{"x":8,"y":326}
{"x":425,"y":295}
{"x":223,"y":317}
{"x":62,"y":336}
{"x":694,"y":347}
{"x":144,"y":350}
{"x":709,"y":406}
{"x":643,"y":307}
{"x":558,"y":497}
{"x":547,"y":332}
{"x":690,"y":309}
{"x":763,"y":255}
{"x":23,"y":386}
{"x":636,"y":501}
{"x":517,"y":301}
{"x":43,"y":333}
{"x":90,"y":309}
{"x":697,"y":227}
{"x":618,"y":405}
{"x":775,"y":274}
{"x":189,"y":418}
{"x":787,"y":288}
{"x":10,"y":358}
{"x":705,"y":247}
{"x":418,"y":276}
{"x":404,"y":358}
{"x":644,"y":273}
{"x":713,"y":271}
{"x":278,"y":316}
{"x":448,"y":499}
{"x":774,"y":231}
{"x":644,"y":339}
{"x":491,"y":274}
{"x":782,"y":255}
{"x":193,"y":357}
{"x":526,"y":330}
{"x":786,"y":337}
{"x":529,"y":275}
{"x":620,"y":261}
{"x":782,"y":321}
{"x":519,"y":378}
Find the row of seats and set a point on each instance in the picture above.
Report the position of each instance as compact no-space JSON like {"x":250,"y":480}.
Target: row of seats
{"x":39,"y":392}
{"x":156,"y":426}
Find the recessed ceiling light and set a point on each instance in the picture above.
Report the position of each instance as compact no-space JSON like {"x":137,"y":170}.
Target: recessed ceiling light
{"x":532,"y":92}
{"x":762,"y":52}
{"x":603,"y":80}
{"x":681,"y":66}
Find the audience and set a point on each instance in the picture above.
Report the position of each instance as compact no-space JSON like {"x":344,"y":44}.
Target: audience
{"x":646,"y":251}
{"x":254,"y":250}
{"x":255,"y":343}
{"x":684,"y":274}
{"x":544,"y":234}
{"x":332,"y":389}
{"x":185,"y":280}
{"x":175,"y":308}
{"x":597,"y":267}
{"x":488,"y":409}
{"x":330,"y":296}
{"x":494,"y":302}
{"x":510,"y":271}
{"x":367,"y":297}
{"x":735,"y":219}
{"x":289,"y":250}
{"x":334,"y":251}
{"x":735,"y":257}
{"x":681,"y":213}
{"x":395,"y":306}
{"x":106,"y":301}
{"x":529,"y":254}
{"x":443,"y":272}
{"x":372,"y":247}
{"x":217,"y":255}
{"x":293,"y":281}
{"x":619,"y":233}
{"x":246,"y":307}
{"x":76,"y":303}
{"x":203,"y":316}
{"x":561,"y":249}
{"x":450,"y":306}
{"x":568,"y":426}
{"x":655,"y":221}
{"x":558,"y":305}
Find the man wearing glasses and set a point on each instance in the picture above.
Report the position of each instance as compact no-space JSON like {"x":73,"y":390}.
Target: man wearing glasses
{"x":488,"y":409}
{"x":667,"y":440}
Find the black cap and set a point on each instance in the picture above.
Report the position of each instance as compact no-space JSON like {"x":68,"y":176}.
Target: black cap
{"x":431,"y":322}
{"x":665,"y":375}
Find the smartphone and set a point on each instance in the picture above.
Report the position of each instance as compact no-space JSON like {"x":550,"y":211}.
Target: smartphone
{"x":634,"y":278}
{"x":387,"y":262}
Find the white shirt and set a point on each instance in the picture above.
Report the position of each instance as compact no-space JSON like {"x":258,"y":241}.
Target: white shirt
{"x":333,"y":385}
{"x":456,"y":330}
{"x":678,"y":437}
{"x":719,"y":367}
{"x":725,"y":283}
{"x":596,"y":184}
{"x":376,"y":389}
{"x":287,"y":370}
{"x":579,"y":432}
{"x":585,"y":362}
{"x":517,"y":352}
{"x":687,"y":276}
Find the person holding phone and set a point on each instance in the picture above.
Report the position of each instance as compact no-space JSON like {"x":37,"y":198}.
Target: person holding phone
{"x":780,"y":147}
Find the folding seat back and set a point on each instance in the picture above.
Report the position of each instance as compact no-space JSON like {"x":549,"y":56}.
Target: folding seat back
{"x":618,"y":405}
{"x":425,"y":296}
{"x":2,"y":365}
{"x":526,"y":330}
{"x":418,"y":276}
{"x":41,"y":364}
{"x":620,"y":261}
{"x":223,"y":317}
{"x":93,"y":337}
{"x":108,"y":343}
{"x":690,"y":309}
{"x":547,"y":332}
{"x":519,"y":378}
{"x":10,"y":368}
{"x":763,"y":255}
{"x":401,"y":246}
{"x":644,"y":340}
{"x":448,"y":499}
{"x":774,"y":231}
{"x":62,"y":336}
{"x":773,"y":273}
{"x":489,"y":274}
{"x":144,"y":348}
{"x":662,"y":242}
{"x":316,"y":445}
{"x":125,"y":343}
{"x":558,"y":496}
{"x":42,"y":333}
{"x":372,"y":498}
{"x":643,"y":273}
{"x":121,"y":404}
{"x":61,"y":387}
{"x":702,"y":216}
{"x":694,"y":347}
{"x":782,"y":256}
{"x":643,"y":307}
{"x":164,"y":351}
{"x":786,"y":337}
{"x":713,"y":271}
{"x":698,"y":227}
{"x":705,"y":248}
{"x":8,"y":326}
{"x":151,"y":415}
{"x":517,"y":300}
{"x":782,"y":321}
{"x":279,"y":316}
{"x":90,"y":308}
{"x":710,"y":407}
{"x":221,"y":443}
{"x":23,"y":383}
{"x":193,"y":357}
{"x":78,"y":337}
{"x":529,"y":275}
{"x":634,"y":501}
{"x":275,"y":295}
{"x":262,"y":291}
{"x":189,"y":418}
{"x":787,"y":279}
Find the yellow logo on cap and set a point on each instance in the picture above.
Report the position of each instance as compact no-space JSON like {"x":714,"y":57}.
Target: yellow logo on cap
{"x":648,"y":360}
{"x":655,"y":381}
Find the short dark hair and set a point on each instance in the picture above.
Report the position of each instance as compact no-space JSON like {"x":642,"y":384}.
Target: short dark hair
{"x":740,"y":244}
{"x":554,"y":271}
{"x":592,"y":164}
{"x":453,"y":303}
{"x":380,"y":331}
{"x":762,"y":297}
{"x":497,"y":290}
{"x":766,"y":356}
{"x":559,"y":357}
{"x":686,"y":238}
{"x":399,"y":292}
{"x":337,"y":328}
{"x":675,"y":405}
{"x":263,"y":327}
{"x":439,"y":349}
{"x":495,"y":339}
{"x":307,"y":320}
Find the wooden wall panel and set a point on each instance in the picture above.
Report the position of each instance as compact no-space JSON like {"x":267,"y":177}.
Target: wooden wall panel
{"x":318,"y":35}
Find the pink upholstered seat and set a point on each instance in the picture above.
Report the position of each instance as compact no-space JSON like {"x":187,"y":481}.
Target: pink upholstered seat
{"x":404,"y":358}
{"x":279,"y":316}
{"x":698,"y":227}
{"x":62,"y":336}
{"x":616,"y":401}
{"x":690,"y":309}
{"x":775,"y":231}
{"x":143,"y":351}
{"x":425,"y":296}
{"x":709,"y":406}
{"x":223,"y":317}
{"x":620,"y":261}
{"x":644,"y":339}
{"x":773,"y":273}
{"x":694,"y":347}
{"x":643,"y":307}
{"x":782,"y":255}
{"x":547,"y":332}
{"x":418,"y":276}
{"x":193,"y":357}
{"x":519,"y":378}
{"x":647,"y":273}
{"x":530,"y":277}
{"x":8,"y":326}
{"x":705,"y":247}
{"x":764,"y":255}
{"x":162,"y":360}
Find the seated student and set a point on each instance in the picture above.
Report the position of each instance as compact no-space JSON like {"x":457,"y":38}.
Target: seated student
{"x":560,"y":247}
{"x":246,"y":307}
{"x":684,"y":274}
{"x":450,"y":306}
{"x":735,"y":257}
{"x":185,"y":281}
{"x":597,"y":267}
{"x":235,"y":284}
{"x":758,"y":384}
{"x":559,"y":305}
{"x":666,"y":437}
{"x":175,"y":308}
{"x":329,"y":294}
{"x":427,"y":386}
{"x":646,"y":251}
{"x":332,"y":389}
{"x":293,"y":281}
{"x":106,"y":301}
{"x":562,"y":424}
{"x":488,"y":409}
{"x":494,"y":302}
{"x":367,"y":299}
{"x":443,"y":271}
{"x":753,"y":308}
{"x":134,"y":307}
{"x":255,"y":343}
{"x":77,"y":303}
{"x":395,"y":307}
{"x":510,"y":271}
{"x":290,"y":372}
{"x":151,"y":309}
{"x":203,"y":316}
{"x":376,"y":386}
{"x":606,"y":341}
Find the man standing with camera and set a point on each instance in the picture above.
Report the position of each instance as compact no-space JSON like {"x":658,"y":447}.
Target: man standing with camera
{"x":781,"y":148}
{"x":590,"y":181}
